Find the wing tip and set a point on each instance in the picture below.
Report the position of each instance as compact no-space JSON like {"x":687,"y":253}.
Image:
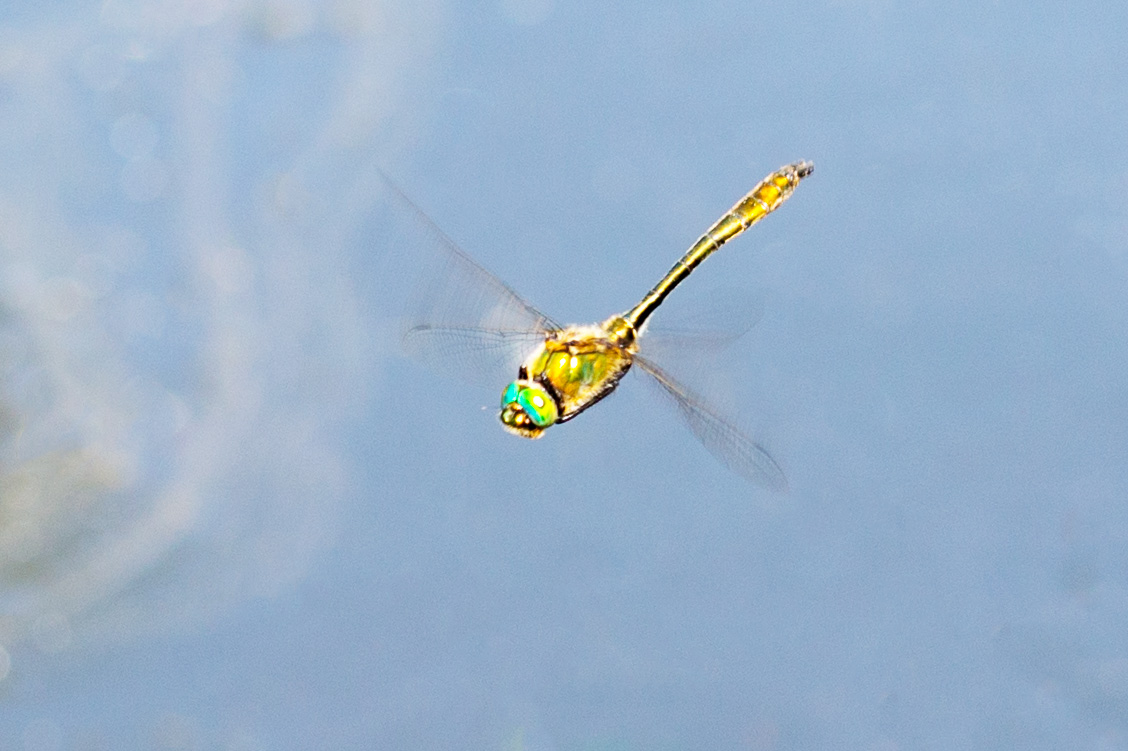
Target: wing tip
{"x":770,"y":477}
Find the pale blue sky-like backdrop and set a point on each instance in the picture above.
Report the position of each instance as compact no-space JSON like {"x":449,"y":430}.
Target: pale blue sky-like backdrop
{"x":233,"y":515}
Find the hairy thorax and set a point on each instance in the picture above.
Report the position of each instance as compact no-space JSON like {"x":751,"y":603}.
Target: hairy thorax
{"x":582,"y":364}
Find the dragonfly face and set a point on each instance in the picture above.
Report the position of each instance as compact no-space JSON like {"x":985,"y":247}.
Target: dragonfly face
{"x":572,"y":370}
{"x":527,"y":408}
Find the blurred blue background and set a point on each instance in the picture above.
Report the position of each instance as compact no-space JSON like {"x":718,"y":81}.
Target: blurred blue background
{"x":234,"y":517}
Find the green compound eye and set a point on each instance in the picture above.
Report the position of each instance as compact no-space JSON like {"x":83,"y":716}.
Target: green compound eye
{"x":509,"y":395}
{"x":539,"y":405}
{"x":527,"y":407}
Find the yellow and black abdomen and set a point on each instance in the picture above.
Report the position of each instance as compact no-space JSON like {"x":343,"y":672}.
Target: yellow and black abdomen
{"x":762,"y":200}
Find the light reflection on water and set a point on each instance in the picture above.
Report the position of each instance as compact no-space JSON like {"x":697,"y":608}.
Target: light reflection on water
{"x":179,"y":338}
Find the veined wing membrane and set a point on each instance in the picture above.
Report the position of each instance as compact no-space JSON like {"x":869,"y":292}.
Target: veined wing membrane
{"x":485,"y":357}
{"x":724,"y":440}
{"x":704,"y":331}
{"x":461,"y":320}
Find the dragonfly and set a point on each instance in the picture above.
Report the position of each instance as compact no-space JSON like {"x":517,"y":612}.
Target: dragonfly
{"x":472,"y":324}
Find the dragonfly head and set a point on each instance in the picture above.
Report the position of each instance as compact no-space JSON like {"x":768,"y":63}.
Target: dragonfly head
{"x":527,"y":408}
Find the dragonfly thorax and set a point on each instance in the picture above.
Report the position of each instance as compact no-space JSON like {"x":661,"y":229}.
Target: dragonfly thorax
{"x":571,"y":370}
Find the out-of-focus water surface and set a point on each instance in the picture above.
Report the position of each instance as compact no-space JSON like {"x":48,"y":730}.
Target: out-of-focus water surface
{"x":233,"y":516}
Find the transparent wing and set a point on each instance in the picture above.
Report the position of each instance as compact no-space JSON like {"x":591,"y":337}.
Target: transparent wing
{"x":707,"y":329}
{"x":724,"y":440}
{"x":485,"y":357}
{"x":460,"y":319}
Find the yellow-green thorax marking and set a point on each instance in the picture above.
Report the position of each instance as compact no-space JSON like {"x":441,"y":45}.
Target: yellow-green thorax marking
{"x":577,"y":366}
{"x":573,"y":369}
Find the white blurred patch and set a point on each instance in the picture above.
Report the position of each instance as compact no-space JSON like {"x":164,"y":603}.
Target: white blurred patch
{"x":144,"y":180}
{"x":527,"y":12}
{"x":229,"y":269}
{"x":133,"y":136}
{"x":101,"y":67}
{"x":177,"y":356}
{"x":283,"y":20}
{"x":42,"y":735}
{"x":205,"y":12}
